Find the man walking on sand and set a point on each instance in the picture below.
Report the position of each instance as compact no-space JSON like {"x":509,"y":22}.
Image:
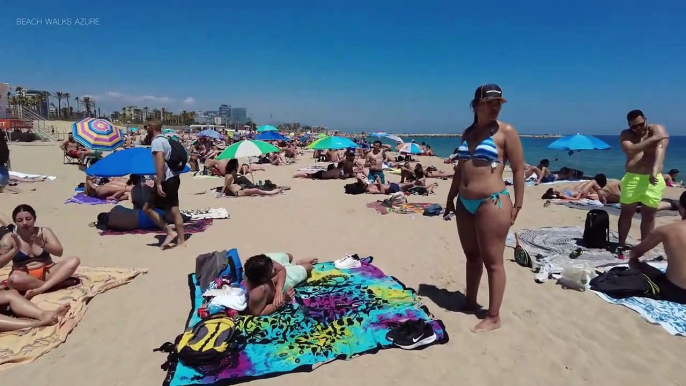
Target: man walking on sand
{"x":167,"y":183}
{"x":645,"y":147}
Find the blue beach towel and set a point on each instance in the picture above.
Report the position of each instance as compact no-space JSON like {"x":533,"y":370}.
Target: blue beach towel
{"x":671,"y":316}
{"x":337,"y":314}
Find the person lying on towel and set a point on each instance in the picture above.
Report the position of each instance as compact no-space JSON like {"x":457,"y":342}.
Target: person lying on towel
{"x":672,"y":283}
{"x":270,"y":279}
{"x":122,"y":219}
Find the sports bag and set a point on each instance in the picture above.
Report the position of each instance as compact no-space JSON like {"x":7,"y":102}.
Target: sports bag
{"x":178,"y":157}
{"x":597,"y":229}
{"x":624,"y":282}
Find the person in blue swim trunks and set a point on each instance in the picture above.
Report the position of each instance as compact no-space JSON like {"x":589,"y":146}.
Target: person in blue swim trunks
{"x":123,"y":219}
{"x":484,"y":209}
{"x":374,"y":161}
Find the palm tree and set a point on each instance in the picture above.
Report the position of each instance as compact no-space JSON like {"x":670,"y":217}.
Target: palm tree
{"x":67,"y":96}
{"x":156,"y":113}
{"x":78,"y":104}
{"x":87,"y":104}
{"x":164,"y":113}
{"x":59,"y":95}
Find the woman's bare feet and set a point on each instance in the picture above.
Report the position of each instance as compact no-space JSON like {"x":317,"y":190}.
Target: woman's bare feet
{"x":488,"y":324}
{"x":29,"y":294}
{"x":51,"y":318}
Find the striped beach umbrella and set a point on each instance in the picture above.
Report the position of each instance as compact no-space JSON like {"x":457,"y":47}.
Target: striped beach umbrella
{"x":97,"y":134}
{"x":332,"y":142}
{"x":247,"y":148}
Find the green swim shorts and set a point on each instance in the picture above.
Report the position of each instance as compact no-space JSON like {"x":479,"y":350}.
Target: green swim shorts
{"x":295,"y":274}
{"x":636,"y":188}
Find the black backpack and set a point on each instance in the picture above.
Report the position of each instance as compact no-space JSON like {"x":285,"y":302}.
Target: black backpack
{"x":623,"y":282}
{"x":597,"y":229}
{"x":354,"y":189}
{"x":178,"y":157}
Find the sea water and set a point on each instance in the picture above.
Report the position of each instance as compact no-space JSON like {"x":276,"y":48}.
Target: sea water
{"x":611,"y":162}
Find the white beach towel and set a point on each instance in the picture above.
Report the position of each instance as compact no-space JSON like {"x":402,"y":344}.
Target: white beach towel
{"x":207,"y":213}
{"x":22,"y":175}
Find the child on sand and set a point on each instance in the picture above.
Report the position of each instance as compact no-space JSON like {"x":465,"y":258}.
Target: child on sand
{"x":270,"y":279}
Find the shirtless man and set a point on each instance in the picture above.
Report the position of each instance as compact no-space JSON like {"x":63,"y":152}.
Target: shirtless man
{"x":74,"y":149}
{"x":374,"y":162}
{"x":645,"y":147}
{"x":331,"y":173}
{"x":270,"y":281}
{"x":672,"y":284}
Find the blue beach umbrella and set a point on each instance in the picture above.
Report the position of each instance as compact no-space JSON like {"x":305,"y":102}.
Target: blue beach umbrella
{"x":266,"y":128}
{"x":137,"y":160}
{"x":210,"y":134}
{"x":579,"y":142}
{"x":378,"y":134}
{"x":411,"y":148}
{"x":271,"y":136}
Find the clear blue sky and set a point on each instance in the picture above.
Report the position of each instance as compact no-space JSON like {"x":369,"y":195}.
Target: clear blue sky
{"x":366,"y":65}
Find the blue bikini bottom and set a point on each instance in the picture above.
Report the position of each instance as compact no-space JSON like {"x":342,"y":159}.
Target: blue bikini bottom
{"x":473,"y":205}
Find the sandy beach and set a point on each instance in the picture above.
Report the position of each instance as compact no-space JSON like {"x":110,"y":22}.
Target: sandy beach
{"x":549,"y":335}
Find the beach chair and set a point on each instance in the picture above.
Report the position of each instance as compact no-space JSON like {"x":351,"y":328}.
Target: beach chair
{"x":69,"y":160}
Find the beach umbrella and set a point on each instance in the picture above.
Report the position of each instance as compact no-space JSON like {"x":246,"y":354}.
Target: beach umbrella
{"x":168,"y":131}
{"x":137,"y":160}
{"x":266,"y":128}
{"x":133,"y":129}
{"x":97,"y":134}
{"x":321,"y":135}
{"x":210,"y":134}
{"x":411,"y":148}
{"x":332,"y":143}
{"x":395,"y":138}
{"x":378,"y":134}
{"x":579,"y":142}
{"x":247,"y":148}
{"x":270,"y":136}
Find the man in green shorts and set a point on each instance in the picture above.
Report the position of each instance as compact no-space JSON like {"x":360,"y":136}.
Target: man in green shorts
{"x":270,"y":279}
{"x":645,"y":146}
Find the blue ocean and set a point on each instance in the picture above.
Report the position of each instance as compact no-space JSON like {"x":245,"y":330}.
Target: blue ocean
{"x":611,"y":162}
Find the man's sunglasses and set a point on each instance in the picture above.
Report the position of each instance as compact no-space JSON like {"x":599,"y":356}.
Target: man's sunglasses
{"x":638,"y":125}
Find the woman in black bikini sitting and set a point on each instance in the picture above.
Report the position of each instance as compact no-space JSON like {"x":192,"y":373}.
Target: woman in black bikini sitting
{"x":30,"y":249}
{"x":232,"y":188}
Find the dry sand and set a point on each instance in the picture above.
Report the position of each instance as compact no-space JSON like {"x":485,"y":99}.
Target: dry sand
{"x":549,"y":335}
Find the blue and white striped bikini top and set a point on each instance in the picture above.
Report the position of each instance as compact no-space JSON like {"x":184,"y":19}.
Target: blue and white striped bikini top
{"x":486,"y":151}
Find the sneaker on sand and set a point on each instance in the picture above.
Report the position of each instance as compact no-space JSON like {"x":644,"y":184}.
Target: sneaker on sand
{"x":420,"y":335}
{"x":544,"y":273}
{"x":403,"y":328}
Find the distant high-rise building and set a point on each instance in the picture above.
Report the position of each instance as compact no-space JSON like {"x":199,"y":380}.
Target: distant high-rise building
{"x":225,"y":112}
{"x":239,"y":115}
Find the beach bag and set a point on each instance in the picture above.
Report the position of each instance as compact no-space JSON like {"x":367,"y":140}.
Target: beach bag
{"x":178,"y":157}
{"x":624,"y":282}
{"x":205,"y":345}
{"x":597,"y":229}
{"x":215,"y":265}
{"x":433,"y":210}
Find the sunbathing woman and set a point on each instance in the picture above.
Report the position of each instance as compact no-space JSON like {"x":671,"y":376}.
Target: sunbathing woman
{"x":332,"y":172}
{"x":30,"y":249}
{"x":586,"y":190}
{"x":12,"y":303}
{"x":114,"y":189}
{"x":484,"y":210}
{"x":232,"y":188}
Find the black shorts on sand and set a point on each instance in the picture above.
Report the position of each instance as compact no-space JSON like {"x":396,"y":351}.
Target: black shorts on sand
{"x":668,"y":290}
{"x":171,"y":190}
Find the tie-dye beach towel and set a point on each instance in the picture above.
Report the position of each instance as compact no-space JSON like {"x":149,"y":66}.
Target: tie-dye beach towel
{"x":337,"y":314}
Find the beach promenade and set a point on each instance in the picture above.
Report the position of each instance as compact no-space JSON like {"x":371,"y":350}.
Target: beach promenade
{"x":550,"y":336}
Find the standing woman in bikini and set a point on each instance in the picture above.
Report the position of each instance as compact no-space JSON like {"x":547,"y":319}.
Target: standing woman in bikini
{"x":484,"y":211}
{"x":30,"y":250}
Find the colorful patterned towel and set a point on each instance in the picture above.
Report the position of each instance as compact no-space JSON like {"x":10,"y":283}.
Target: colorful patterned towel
{"x":81,"y":198}
{"x":671,"y":316}
{"x":408,"y":208}
{"x":336,"y":315}
{"x":188,"y":228}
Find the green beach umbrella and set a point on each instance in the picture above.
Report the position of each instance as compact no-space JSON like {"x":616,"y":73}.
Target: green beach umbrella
{"x":247,"y":148}
{"x":168,"y":131}
{"x":264,"y":128}
{"x":332,"y":142}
